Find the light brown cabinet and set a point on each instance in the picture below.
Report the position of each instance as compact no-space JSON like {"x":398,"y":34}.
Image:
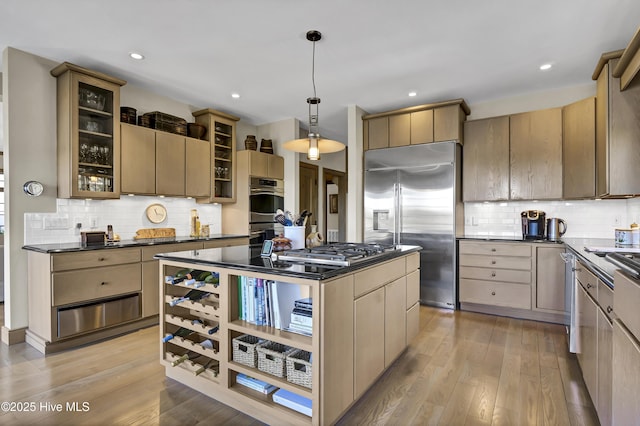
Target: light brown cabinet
{"x":368,"y":324}
{"x":579,"y":149}
{"x":161,"y":163}
{"x":536,"y":155}
{"x":550,"y":276}
{"x":395,"y":321}
{"x":485,"y":168}
{"x":617,"y":131}
{"x":138,"y":159}
{"x":436,"y":122}
{"x":588,"y":346}
{"x":88,"y":133}
{"x":263,"y":165}
{"x":221,"y":133}
{"x":496,"y":274}
{"x":605,"y":367}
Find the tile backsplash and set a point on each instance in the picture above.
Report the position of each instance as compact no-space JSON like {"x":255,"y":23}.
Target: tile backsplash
{"x":585,"y":219}
{"x":126,"y":215}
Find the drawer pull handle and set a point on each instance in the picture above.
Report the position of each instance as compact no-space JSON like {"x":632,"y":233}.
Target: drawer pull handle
{"x":493,"y":262}
{"x":103,"y":283}
{"x":101,"y":259}
{"x":609,"y":309}
{"x":493,"y":274}
{"x":493,"y":293}
{"x":493,"y":249}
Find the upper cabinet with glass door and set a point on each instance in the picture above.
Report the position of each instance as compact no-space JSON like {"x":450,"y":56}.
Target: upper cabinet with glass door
{"x":88,"y":133}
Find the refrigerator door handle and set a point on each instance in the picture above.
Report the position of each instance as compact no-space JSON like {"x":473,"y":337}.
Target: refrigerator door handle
{"x":399,"y":214}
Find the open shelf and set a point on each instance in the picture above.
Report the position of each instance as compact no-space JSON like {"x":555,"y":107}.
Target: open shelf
{"x":267,"y":401}
{"x":298,"y":341}
{"x":279,"y":382}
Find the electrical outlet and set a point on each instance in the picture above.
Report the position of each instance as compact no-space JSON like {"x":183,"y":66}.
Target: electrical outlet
{"x":94,"y":222}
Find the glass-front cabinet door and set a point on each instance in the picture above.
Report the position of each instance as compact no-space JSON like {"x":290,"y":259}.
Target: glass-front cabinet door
{"x":88,"y":133}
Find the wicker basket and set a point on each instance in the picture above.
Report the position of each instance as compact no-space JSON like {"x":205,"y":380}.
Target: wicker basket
{"x":299,"y":370}
{"x":244,"y":350}
{"x":271,"y":358}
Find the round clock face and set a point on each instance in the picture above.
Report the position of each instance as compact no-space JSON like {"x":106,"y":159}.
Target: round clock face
{"x":156,"y":213}
{"x":33,"y":188}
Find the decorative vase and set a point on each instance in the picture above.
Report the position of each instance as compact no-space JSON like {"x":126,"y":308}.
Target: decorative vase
{"x":251,"y":143}
{"x":266,"y":145}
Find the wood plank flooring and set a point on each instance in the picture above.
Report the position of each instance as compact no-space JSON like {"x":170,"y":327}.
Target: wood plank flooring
{"x":462,"y":369}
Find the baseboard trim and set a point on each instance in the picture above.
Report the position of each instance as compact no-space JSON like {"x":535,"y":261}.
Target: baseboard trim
{"x":12,"y":337}
{"x":514,"y":313}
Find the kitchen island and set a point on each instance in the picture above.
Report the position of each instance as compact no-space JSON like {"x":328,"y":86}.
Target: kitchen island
{"x":83,"y":293}
{"x":363,"y":317}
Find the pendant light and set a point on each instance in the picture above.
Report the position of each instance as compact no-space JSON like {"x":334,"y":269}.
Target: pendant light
{"x":313,"y":144}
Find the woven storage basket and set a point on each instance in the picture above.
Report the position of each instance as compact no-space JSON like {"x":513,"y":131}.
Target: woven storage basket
{"x":299,"y":370}
{"x":244,"y":350}
{"x":271,"y":358}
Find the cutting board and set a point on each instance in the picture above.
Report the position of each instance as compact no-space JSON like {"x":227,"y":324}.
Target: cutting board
{"x":145,"y":233}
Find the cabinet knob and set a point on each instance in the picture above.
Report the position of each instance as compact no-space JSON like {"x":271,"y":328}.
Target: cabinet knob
{"x":493,"y":293}
{"x":101,"y":259}
{"x":103,"y":283}
{"x":589,"y":285}
{"x":493,"y":249}
{"x":609,"y":309}
{"x":493,"y":274}
{"x":493,"y":262}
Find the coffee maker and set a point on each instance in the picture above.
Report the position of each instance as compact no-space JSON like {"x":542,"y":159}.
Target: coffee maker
{"x":533,"y":224}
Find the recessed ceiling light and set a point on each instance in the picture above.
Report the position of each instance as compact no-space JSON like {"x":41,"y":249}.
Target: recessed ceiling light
{"x":545,"y":67}
{"x":137,"y":56}
{"x":235,"y":95}
{"x":412,"y":94}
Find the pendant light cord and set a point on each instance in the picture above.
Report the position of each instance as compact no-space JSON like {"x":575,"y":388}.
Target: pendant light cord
{"x":313,"y":69}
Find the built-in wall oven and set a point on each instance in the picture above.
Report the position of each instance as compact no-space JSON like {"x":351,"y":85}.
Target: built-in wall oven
{"x":265,"y":197}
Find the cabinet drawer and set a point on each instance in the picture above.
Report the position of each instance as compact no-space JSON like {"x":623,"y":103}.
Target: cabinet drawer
{"x":376,"y":276}
{"x":495,"y":293}
{"x":413,"y":262}
{"x":605,"y":298}
{"x":413,"y":288}
{"x":496,"y":249}
{"x":587,"y":279}
{"x":502,"y":262}
{"x":626,"y":300}
{"x":506,"y":275}
{"x":94,"y":258}
{"x":149,"y":252}
{"x":79,"y":286}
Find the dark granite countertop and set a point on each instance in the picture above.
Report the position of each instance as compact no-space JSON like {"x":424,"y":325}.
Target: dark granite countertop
{"x":239,"y":257}
{"x":71,"y":247}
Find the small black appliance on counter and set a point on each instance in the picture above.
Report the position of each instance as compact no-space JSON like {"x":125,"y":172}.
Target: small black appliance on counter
{"x":533,"y":224}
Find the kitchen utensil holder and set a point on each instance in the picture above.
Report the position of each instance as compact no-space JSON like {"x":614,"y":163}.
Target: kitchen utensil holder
{"x":299,"y":369}
{"x":244,"y":350}
{"x":296,"y":235}
{"x":271,"y":358}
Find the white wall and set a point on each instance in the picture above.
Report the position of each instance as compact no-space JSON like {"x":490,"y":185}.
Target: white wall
{"x":29,"y":95}
{"x":531,"y":101}
{"x":585,"y":219}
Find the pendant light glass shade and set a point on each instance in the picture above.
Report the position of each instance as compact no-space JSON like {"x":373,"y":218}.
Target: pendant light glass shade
{"x":313,"y":144}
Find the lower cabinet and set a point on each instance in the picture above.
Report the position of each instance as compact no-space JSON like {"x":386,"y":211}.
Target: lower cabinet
{"x":588,"y":341}
{"x":550,"y":286}
{"x":368,"y":348}
{"x":395,"y":319}
{"x":605,"y":367}
{"x":626,"y":377}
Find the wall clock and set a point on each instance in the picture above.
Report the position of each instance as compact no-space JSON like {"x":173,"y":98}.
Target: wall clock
{"x":156,"y":213}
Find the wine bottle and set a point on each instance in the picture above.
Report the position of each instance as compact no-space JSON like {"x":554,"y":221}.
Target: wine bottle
{"x":213,"y":330}
{"x":204,"y":367}
{"x":179,"y":276}
{"x":181,"y":332}
{"x":193,"y":295}
{"x":194,"y":276}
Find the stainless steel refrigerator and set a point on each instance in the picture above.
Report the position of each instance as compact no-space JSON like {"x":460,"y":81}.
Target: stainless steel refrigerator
{"x":412,"y":196}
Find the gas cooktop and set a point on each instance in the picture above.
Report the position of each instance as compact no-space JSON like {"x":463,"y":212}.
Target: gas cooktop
{"x":341,"y":254}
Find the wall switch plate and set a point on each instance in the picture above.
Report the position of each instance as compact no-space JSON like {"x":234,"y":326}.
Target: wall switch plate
{"x":56,"y":223}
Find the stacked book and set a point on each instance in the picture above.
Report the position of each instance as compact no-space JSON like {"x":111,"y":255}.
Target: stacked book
{"x":255,"y":384}
{"x":301,"y":316}
{"x":293,"y":401}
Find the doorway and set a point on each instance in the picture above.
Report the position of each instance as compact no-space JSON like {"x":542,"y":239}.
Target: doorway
{"x":335,"y":190}
{"x":308,"y":193}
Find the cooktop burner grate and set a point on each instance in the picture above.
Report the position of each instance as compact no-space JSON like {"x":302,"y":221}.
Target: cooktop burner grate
{"x":343,"y":254}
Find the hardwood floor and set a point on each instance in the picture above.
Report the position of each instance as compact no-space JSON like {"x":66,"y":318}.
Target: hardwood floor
{"x":463,"y":368}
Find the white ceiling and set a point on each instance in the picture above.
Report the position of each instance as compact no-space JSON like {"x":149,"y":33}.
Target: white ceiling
{"x":373,"y":52}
